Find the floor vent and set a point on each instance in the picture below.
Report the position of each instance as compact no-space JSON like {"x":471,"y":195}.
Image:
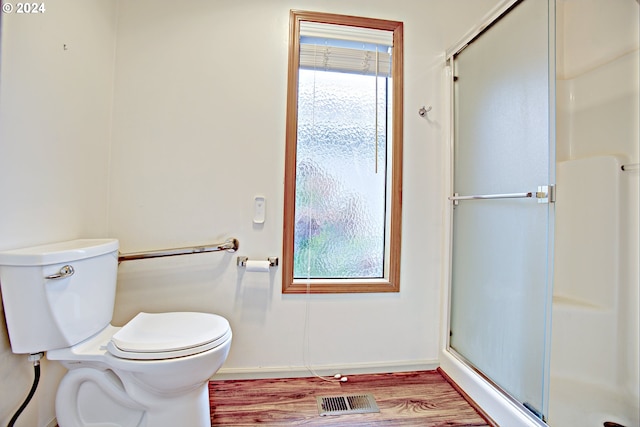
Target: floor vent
{"x":349,"y":404}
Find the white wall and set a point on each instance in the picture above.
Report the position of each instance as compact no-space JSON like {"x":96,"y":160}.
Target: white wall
{"x":597,"y":48}
{"x":170,"y":147}
{"x":199,"y":130}
{"x":594,"y":32}
{"x":55,"y":120}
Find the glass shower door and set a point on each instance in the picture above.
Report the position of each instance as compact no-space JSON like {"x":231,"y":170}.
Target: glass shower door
{"x":502,"y":218}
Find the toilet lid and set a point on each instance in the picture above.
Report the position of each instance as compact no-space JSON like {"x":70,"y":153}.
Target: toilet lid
{"x":169,"y":332}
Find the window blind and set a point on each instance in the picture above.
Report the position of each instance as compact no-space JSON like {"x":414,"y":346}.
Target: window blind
{"x":345,"y":49}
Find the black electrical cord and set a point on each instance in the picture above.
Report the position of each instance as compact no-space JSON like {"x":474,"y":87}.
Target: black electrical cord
{"x":36,"y":368}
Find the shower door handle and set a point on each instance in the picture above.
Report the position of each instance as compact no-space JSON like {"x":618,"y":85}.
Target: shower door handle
{"x":545,"y":194}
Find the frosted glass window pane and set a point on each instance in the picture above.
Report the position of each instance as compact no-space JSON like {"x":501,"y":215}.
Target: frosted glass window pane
{"x":340,"y":197}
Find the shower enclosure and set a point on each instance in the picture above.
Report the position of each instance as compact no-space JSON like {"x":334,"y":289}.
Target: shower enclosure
{"x":594,"y":351}
{"x":502,"y":203}
{"x":543,"y":318}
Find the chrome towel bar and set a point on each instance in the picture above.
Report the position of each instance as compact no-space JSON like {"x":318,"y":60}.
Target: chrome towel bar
{"x":230,"y":245}
{"x":455,"y":197}
{"x":545,"y":194}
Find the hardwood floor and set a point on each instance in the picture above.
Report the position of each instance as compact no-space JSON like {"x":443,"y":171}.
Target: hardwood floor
{"x":422,"y":398}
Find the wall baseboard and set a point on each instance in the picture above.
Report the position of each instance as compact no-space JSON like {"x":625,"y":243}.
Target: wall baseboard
{"x":324,"y":370}
{"x":52,"y":423}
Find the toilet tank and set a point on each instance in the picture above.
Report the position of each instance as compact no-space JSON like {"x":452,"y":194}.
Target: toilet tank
{"x":44,"y":311}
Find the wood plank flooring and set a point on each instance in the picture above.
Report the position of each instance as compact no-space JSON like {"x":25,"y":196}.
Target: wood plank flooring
{"x":422,"y":398}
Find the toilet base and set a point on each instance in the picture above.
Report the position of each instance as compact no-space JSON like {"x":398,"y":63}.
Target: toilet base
{"x":89,"y":397}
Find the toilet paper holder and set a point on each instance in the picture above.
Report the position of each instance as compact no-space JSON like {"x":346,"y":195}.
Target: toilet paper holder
{"x":242,"y":261}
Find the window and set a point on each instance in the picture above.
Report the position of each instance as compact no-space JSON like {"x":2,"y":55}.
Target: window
{"x":343,"y":166}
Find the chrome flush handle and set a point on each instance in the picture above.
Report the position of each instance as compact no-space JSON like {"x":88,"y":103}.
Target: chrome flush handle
{"x":65,"y":271}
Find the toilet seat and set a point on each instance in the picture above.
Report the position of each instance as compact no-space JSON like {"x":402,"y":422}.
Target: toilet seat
{"x":168,"y":335}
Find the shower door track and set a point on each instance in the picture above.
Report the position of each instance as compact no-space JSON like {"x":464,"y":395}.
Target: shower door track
{"x":534,"y":415}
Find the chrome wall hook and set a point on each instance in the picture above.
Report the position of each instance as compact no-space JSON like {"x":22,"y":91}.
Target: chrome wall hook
{"x":422,"y":112}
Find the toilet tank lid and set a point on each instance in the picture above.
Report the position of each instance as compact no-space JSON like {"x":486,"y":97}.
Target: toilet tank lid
{"x":55,"y":253}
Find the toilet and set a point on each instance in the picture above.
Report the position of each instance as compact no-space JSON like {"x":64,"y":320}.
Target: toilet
{"x":151,"y":372}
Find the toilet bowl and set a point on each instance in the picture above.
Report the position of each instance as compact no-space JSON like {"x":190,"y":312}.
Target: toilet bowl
{"x":159,"y":378}
{"x":151,"y":372}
